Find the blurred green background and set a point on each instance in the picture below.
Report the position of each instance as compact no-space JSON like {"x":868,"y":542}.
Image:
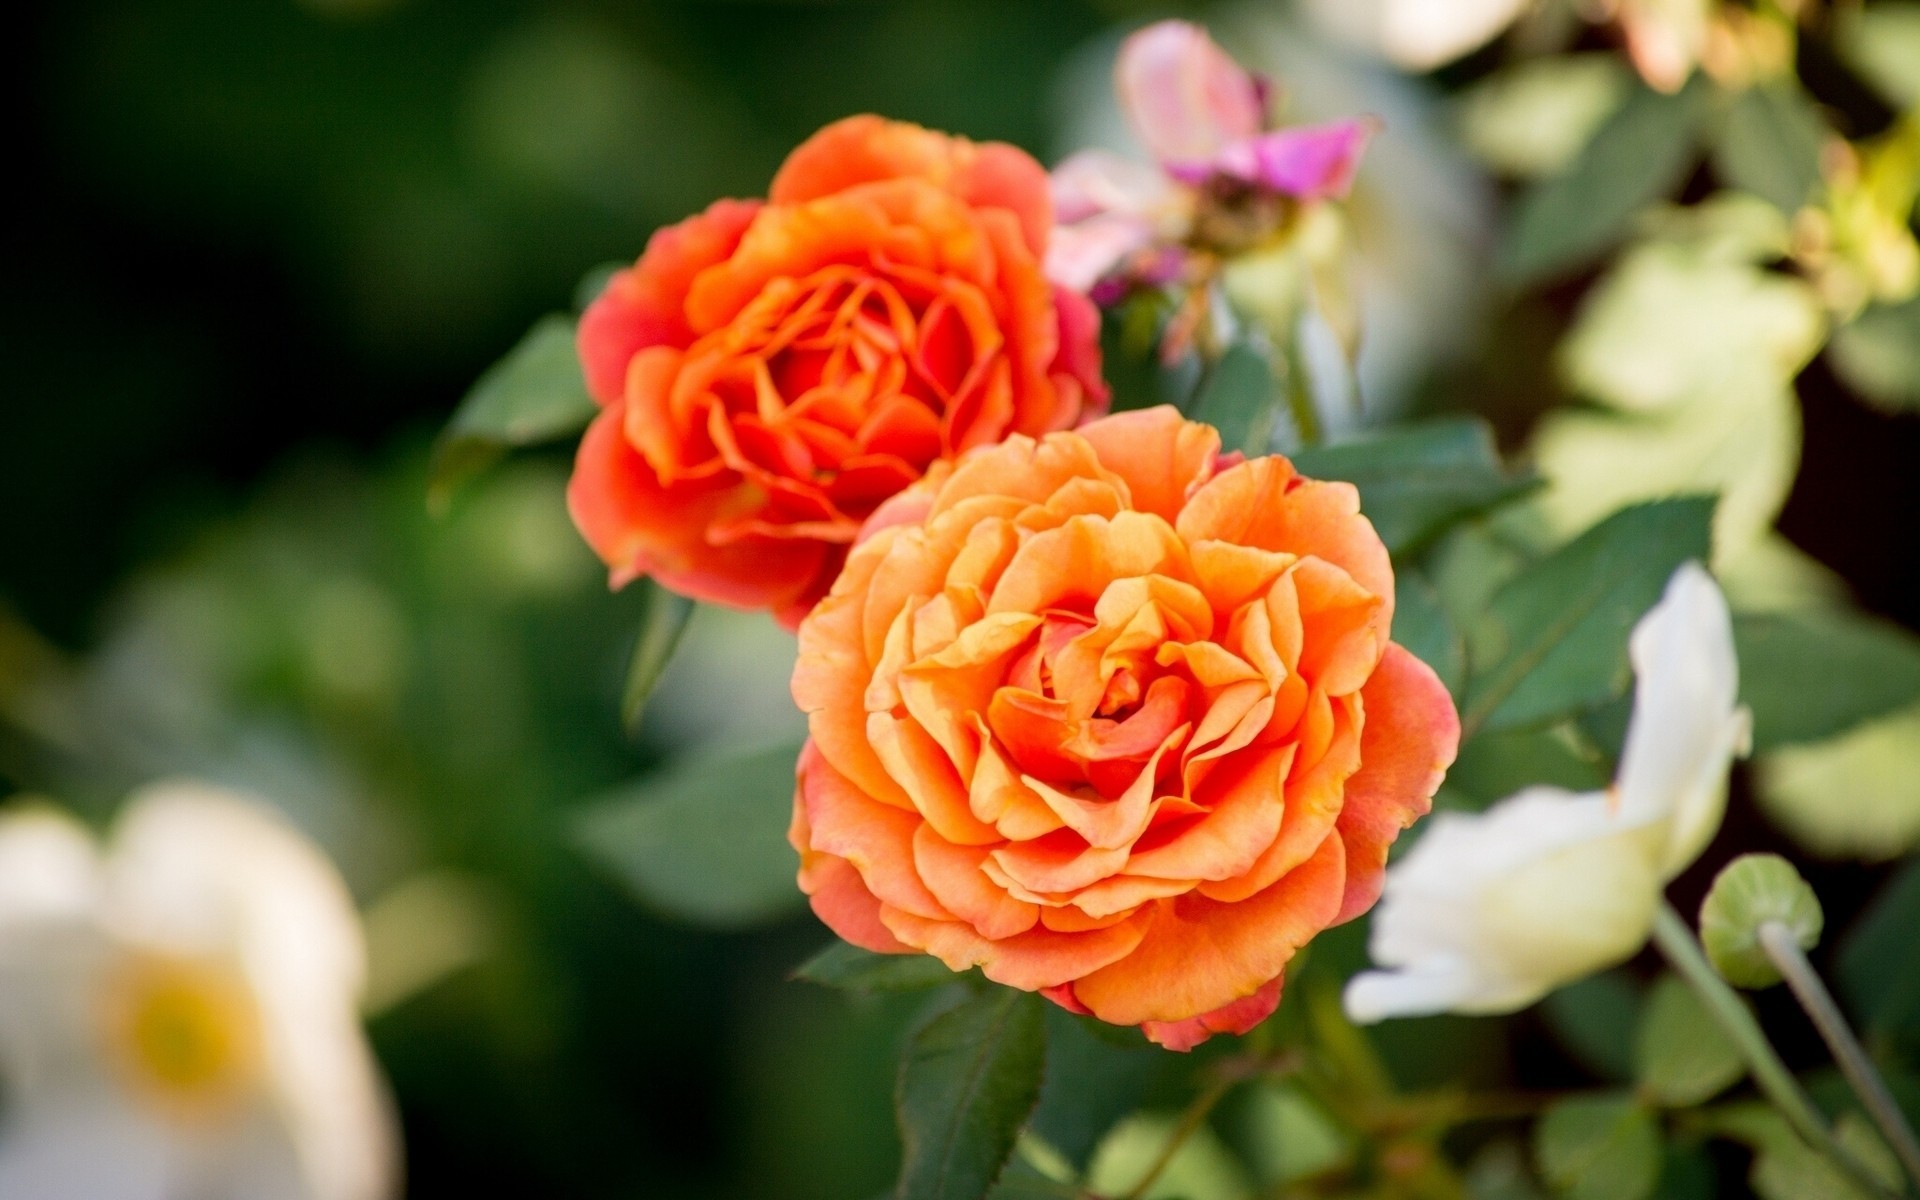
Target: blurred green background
{"x":264,"y":247}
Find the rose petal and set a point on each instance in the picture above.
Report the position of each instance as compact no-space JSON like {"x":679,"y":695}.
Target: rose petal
{"x":1409,"y":739}
{"x":869,"y":149}
{"x":1039,"y":958}
{"x":952,"y":873}
{"x":876,"y":838}
{"x":1235,"y":1018}
{"x":1198,"y":955}
{"x":1162,"y":455}
{"x":644,"y":305}
{"x":639,"y":526}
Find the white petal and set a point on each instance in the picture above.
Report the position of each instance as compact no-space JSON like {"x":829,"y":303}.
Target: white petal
{"x":49,"y":870}
{"x":1459,"y":852}
{"x":84,"y":1146}
{"x":1686,"y":725}
{"x":1436,"y":986}
{"x":258,"y":1161}
{"x":1422,"y":34}
{"x":1490,"y":911}
{"x":338,"y":1116}
{"x":200,"y":870}
{"x":1416,"y":34}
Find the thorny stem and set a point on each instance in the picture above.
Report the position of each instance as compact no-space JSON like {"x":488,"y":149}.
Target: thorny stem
{"x":1783,"y":951}
{"x":1776,"y":1083}
{"x":1190,"y":1120}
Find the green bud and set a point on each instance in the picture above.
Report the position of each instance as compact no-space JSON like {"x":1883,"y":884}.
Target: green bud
{"x":1749,"y":892}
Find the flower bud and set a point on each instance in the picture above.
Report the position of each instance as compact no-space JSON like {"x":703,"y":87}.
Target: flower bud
{"x":1751,"y":891}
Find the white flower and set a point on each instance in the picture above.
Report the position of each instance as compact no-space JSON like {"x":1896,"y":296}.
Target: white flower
{"x":178,"y":1013}
{"x":1416,"y":34}
{"x":1489,"y":912}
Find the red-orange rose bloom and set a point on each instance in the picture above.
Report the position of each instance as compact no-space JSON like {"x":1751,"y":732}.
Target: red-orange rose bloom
{"x":771,"y":372}
{"x":1113,"y":720}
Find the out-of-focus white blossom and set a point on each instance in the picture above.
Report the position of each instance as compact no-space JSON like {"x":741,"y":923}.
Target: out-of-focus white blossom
{"x":1665,"y":39}
{"x":1416,"y":34}
{"x":179,"y":1011}
{"x":1490,"y":911}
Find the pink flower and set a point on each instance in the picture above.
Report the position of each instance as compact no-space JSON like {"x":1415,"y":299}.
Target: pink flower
{"x":1203,"y":117}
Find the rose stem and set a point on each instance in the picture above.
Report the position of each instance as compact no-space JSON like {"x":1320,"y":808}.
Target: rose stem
{"x":1783,"y":950}
{"x":1682,"y":949}
{"x":1190,"y":1121}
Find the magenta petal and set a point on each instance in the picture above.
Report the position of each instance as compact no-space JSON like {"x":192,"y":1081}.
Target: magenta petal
{"x":1311,"y":162}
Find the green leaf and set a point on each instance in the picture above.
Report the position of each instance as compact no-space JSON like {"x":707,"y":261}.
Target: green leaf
{"x":1811,"y":675}
{"x":1468,"y":564}
{"x":1288,"y":1137}
{"x":1203,"y":1168}
{"x":535,"y":394}
{"x":1882,"y":43}
{"x":1770,"y":144}
{"x":1422,"y":626}
{"x":1743,"y":445}
{"x":1021,"y":1181}
{"x":1687,"y":1174}
{"x":855,"y":970}
{"x":1530,"y":119}
{"x":1854,"y":796}
{"x":970,"y":1078}
{"x":1496,"y":765}
{"x":1417,"y":480}
{"x":1785,"y":1168}
{"x":1877,"y":971}
{"x":1699,"y":346}
{"x":663,"y":618}
{"x":703,"y":839}
{"x":1499,"y":1171}
{"x":1595,"y":1020}
{"x":1598,"y":1148}
{"x":1673,"y":323}
{"x":1878,"y":354}
{"x":1641,"y":153}
{"x":1681,"y":1057}
{"x":1092,"y":1081}
{"x":1237,"y":398}
{"x":1557,"y":633}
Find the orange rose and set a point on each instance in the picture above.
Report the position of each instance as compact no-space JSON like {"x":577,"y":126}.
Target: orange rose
{"x":770,"y":373}
{"x":1115,"y":721}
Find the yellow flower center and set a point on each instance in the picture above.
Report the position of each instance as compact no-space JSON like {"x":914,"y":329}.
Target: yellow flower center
{"x":184,"y":1033}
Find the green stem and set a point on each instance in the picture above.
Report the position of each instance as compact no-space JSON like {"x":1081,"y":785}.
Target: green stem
{"x":1306,"y":418}
{"x":1775,"y":1081}
{"x":1190,"y":1121}
{"x":1783,"y":950}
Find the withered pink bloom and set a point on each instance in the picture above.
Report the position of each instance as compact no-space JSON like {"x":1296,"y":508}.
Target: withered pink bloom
{"x":1203,"y":118}
{"x":1185,"y":96}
